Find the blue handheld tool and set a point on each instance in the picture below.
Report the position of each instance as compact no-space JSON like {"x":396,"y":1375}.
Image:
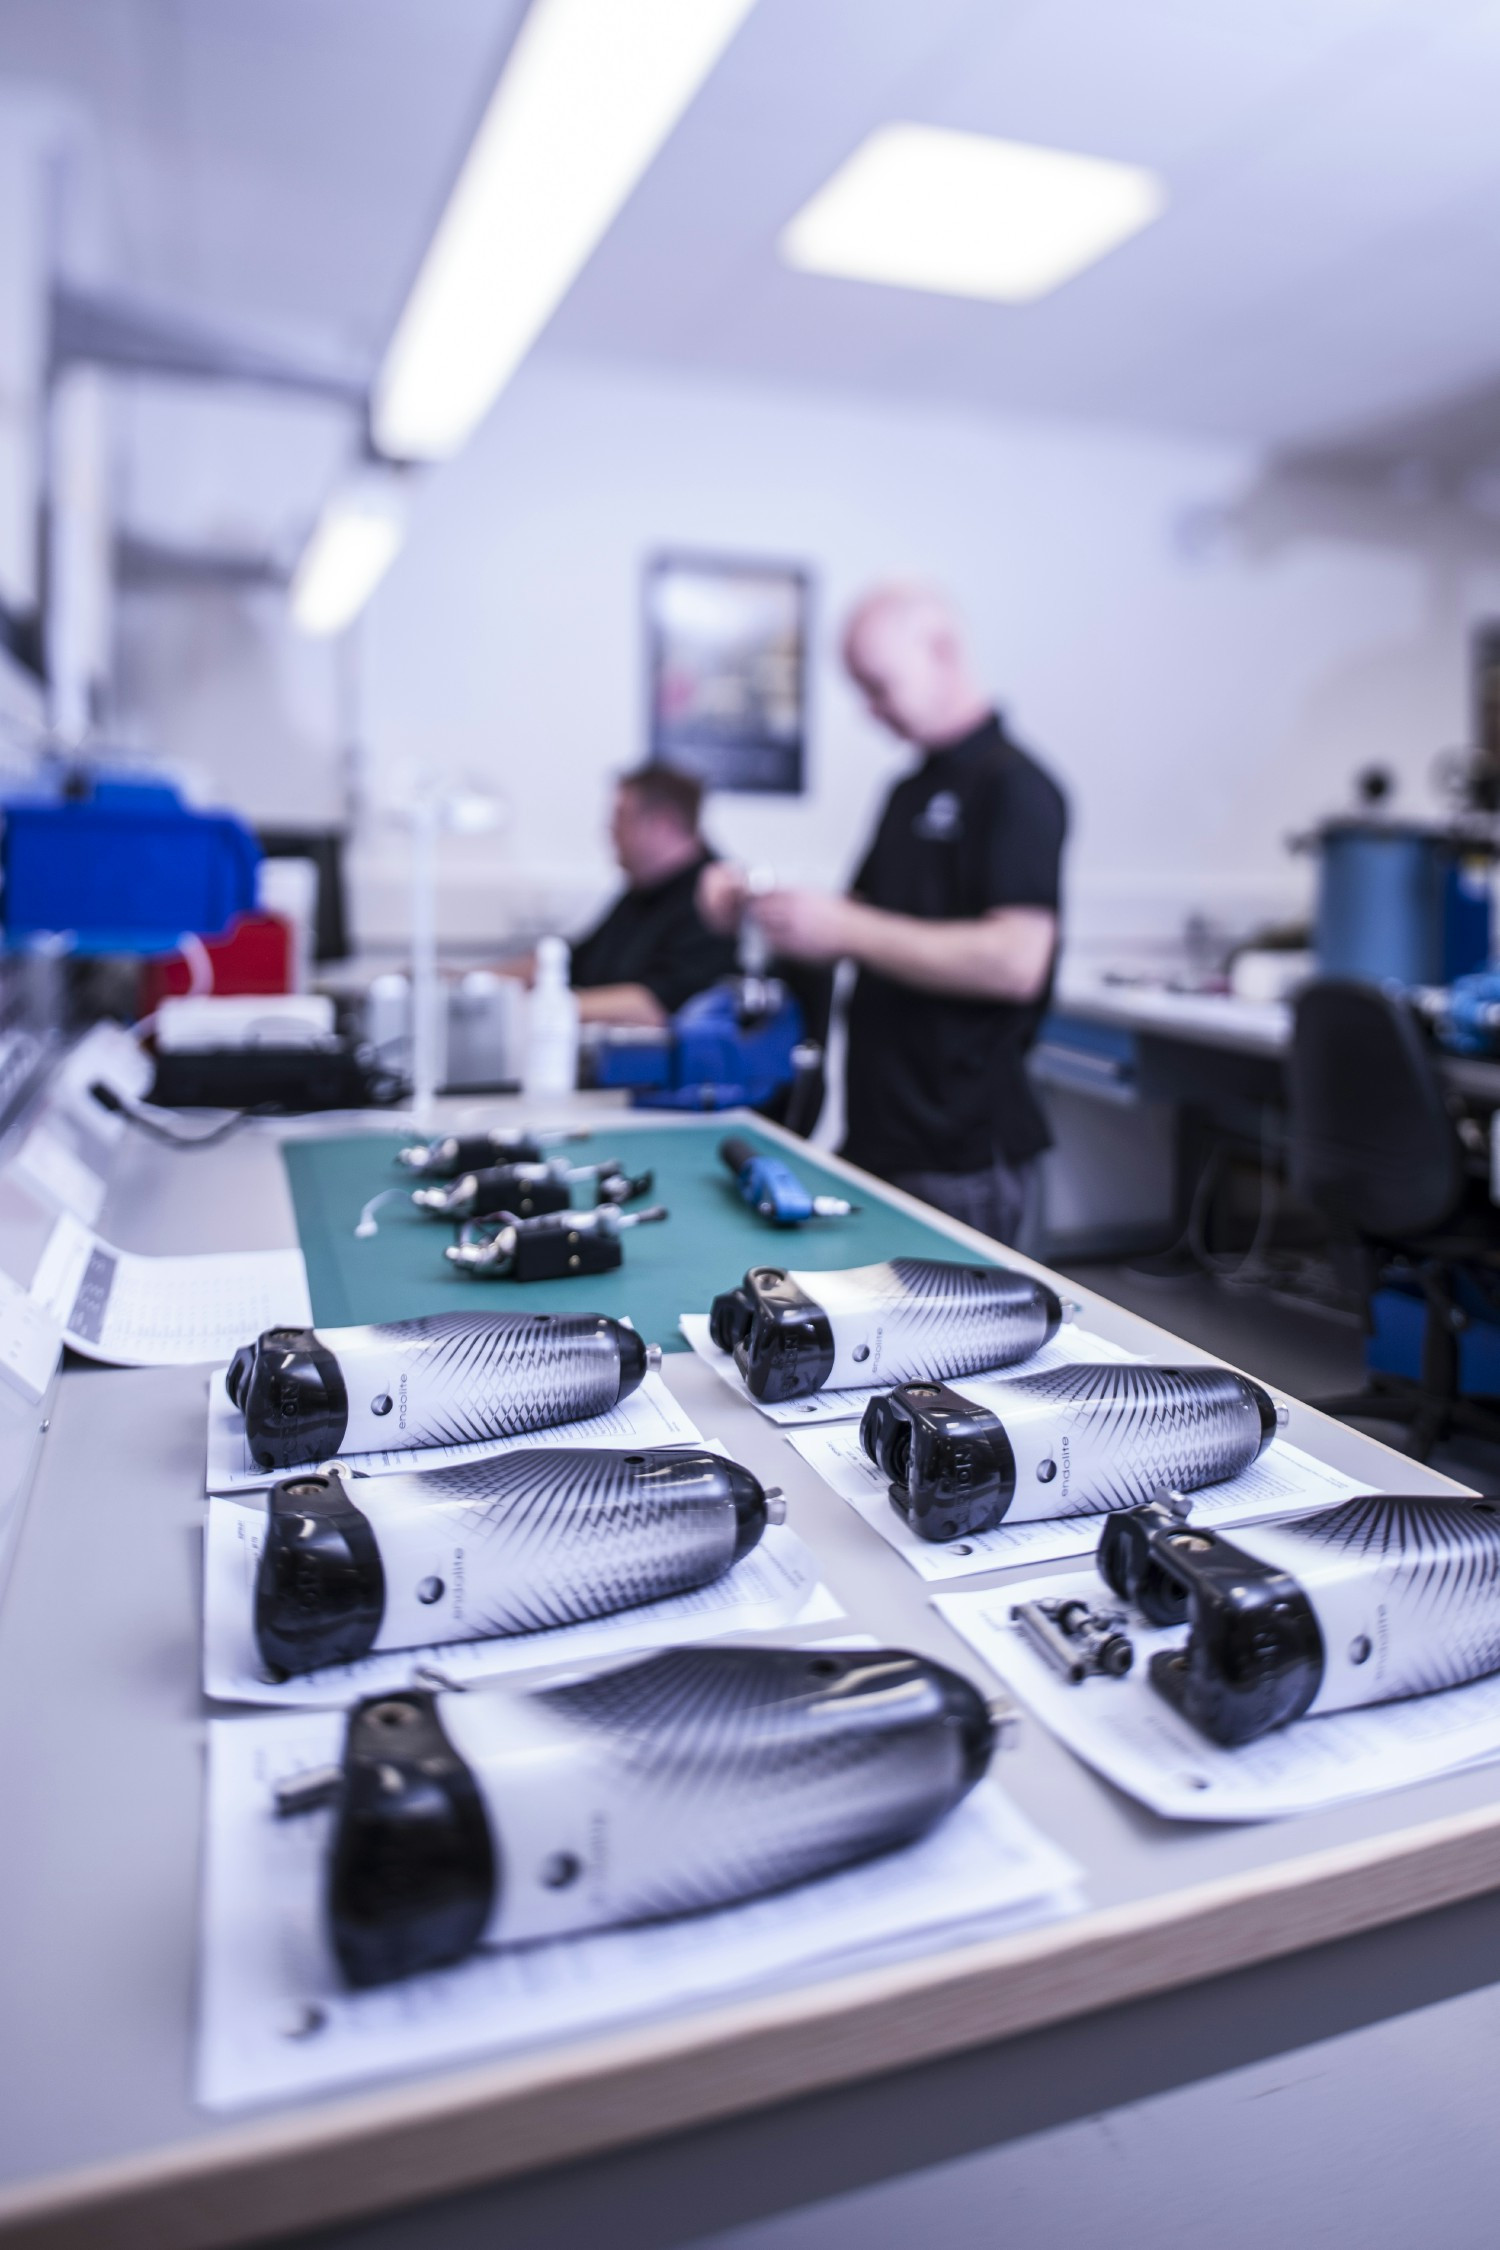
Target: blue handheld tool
{"x":774,"y":1190}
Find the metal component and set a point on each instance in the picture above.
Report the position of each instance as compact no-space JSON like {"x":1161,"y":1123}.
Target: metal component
{"x":548,"y":1247}
{"x":1081,"y":1642}
{"x":775,"y":1504}
{"x":308,"y":1792}
{"x":112,"y":329}
{"x":1005,"y":1719}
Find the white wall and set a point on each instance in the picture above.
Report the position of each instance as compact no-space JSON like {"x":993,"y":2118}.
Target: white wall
{"x":212,"y":679}
{"x":1199,"y":706}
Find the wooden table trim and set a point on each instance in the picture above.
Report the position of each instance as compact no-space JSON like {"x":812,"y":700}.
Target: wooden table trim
{"x":401,"y":2145}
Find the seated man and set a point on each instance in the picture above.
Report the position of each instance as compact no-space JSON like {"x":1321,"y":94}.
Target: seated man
{"x":652,"y":951}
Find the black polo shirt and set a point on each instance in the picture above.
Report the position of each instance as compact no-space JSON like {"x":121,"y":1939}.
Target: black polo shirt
{"x":937,"y":1084}
{"x":653,"y":935}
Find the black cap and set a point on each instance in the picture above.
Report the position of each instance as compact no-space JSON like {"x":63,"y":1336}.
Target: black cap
{"x":729,"y":1317}
{"x":1254,"y":1654}
{"x":237,"y":1374}
{"x":319,"y":1586}
{"x":950,"y":1467}
{"x":414,"y":1868}
{"x":633,"y":1361}
{"x":295,"y":1405}
{"x":1266,"y":1408}
{"x":749,"y":1499}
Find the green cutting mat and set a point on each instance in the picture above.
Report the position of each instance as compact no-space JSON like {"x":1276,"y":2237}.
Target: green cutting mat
{"x":674,"y":1268}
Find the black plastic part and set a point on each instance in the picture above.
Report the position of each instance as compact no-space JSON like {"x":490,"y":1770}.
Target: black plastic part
{"x":286,"y":1080}
{"x":295,"y":1405}
{"x":1253,"y":1660}
{"x":319,"y":1585}
{"x":499,"y":1187}
{"x":1128,"y":1564}
{"x":786,"y":1347}
{"x":949,"y":1463}
{"x":735,"y":1153}
{"x":414,"y":1869}
{"x":631,"y":1346}
{"x":968,"y":1715}
{"x":450,"y":1155}
{"x":1266,"y":1407}
{"x":729,"y":1318}
{"x":549,"y":1249}
{"x":619,"y":1187}
{"x":748,"y":1496}
{"x":237,"y":1373}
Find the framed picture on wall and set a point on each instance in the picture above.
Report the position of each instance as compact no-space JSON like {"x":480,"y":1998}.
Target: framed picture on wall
{"x":727,"y":648}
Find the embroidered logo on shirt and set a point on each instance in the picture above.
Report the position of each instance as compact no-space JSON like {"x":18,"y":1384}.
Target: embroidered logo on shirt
{"x":941,"y":818}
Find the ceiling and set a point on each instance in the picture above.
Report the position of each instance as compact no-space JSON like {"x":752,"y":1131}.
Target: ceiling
{"x":1328,"y":259}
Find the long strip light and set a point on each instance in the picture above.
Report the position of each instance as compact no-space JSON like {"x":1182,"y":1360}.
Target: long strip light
{"x":968,"y":215}
{"x":354,"y":543}
{"x":591,"y":90}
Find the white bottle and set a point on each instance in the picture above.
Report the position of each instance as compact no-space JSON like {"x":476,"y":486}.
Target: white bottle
{"x":552,"y":1024}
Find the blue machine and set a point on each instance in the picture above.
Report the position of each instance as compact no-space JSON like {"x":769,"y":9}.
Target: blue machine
{"x":1467,"y":1015}
{"x":126,"y":868}
{"x":731,"y":1047}
{"x":773,"y":1189}
{"x":1399,"y":901}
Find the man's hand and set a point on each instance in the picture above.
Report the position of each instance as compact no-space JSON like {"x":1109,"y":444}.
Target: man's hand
{"x":810,"y":925}
{"x":720,"y":896}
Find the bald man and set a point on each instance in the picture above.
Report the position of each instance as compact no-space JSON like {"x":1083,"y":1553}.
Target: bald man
{"x":953,"y":922}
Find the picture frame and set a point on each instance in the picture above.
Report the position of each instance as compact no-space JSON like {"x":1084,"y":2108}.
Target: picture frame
{"x":727,"y":643}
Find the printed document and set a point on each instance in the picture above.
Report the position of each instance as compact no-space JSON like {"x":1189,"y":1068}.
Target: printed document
{"x":1071,"y":1346}
{"x":1283,"y":1481}
{"x":649,"y":1416}
{"x":133,"y":1311}
{"x":276,"y":2023}
{"x":775,"y":1585}
{"x":1133,"y":1736}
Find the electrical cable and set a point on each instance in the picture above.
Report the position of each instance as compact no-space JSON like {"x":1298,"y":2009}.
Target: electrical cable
{"x":115,"y":1103}
{"x":367,"y":1223}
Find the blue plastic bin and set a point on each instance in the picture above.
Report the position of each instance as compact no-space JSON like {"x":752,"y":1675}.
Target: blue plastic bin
{"x":125,"y":870}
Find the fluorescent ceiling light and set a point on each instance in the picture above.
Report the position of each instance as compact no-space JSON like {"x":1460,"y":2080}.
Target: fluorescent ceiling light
{"x":354,"y":543}
{"x":591,"y":91}
{"x":969,"y":216}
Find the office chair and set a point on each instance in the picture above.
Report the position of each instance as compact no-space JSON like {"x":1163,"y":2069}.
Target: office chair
{"x":1377,"y":1151}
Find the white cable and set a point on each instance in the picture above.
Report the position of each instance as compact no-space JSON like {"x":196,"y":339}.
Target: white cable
{"x":368,"y":1223}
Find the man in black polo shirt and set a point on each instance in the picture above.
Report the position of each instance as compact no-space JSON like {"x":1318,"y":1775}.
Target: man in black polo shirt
{"x":651,"y":951}
{"x":952,"y":920}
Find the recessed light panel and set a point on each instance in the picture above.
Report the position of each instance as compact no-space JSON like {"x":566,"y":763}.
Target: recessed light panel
{"x":590,"y":93}
{"x":963,"y":214}
{"x":354,"y":543}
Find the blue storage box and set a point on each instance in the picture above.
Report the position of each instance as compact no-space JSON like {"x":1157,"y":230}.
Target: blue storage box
{"x":127,"y":869}
{"x":1394,"y":1346}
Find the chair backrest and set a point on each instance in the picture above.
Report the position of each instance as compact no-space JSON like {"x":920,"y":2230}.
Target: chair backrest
{"x":1373,"y":1144}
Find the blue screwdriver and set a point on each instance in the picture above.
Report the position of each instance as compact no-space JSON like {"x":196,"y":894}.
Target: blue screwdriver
{"x":774,"y":1190}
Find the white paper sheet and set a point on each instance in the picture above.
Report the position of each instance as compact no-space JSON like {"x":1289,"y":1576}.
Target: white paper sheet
{"x":649,"y":1416}
{"x":48,"y":1161}
{"x":132,"y":1311}
{"x":1283,"y":1479}
{"x":1068,"y":1347}
{"x":1132,"y":1736}
{"x":30,"y":1340}
{"x":777,"y":1584}
{"x":276,"y":2023}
